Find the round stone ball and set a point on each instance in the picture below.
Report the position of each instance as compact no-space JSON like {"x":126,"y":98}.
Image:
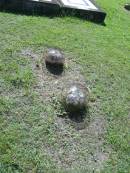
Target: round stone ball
{"x":75,"y":99}
{"x":54,"y":56}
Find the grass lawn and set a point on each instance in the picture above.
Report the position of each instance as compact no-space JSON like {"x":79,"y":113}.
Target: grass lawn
{"x":33,"y":137}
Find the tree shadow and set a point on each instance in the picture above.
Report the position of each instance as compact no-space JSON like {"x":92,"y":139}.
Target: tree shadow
{"x":12,"y":167}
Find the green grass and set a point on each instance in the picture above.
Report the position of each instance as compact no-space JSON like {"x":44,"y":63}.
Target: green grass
{"x":27,"y":122}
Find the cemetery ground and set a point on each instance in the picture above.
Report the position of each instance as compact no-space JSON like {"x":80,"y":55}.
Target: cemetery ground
{"x":36,"y":135}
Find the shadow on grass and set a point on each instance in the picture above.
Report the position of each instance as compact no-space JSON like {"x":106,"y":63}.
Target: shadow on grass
{"x":10,"y":167}
{"x":55,"y":69}
{"x":79,"y":116}
{"x":40,"y":9}
{"x":80,"y":119}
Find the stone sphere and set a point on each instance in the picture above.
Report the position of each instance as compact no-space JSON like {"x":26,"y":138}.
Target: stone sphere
{"x":54,"y":56}
{"x":75,"y":99}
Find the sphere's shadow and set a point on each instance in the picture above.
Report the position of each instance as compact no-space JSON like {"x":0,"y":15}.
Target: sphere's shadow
{"x":79,"y":116}
{"x":55,"y":69}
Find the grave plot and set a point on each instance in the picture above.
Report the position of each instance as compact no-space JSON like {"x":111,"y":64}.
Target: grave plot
{"x":84,"y":8}
{"x":81,"y":8}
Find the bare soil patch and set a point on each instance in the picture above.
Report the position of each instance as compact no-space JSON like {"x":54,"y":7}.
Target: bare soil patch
{"x":78,"y":144}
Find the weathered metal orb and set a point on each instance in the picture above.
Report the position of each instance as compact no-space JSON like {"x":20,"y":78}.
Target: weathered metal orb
{"x":76,"y":99}
{"x":54,"y":56}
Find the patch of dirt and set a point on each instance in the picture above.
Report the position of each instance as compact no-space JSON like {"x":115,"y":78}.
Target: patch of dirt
{"x":77,"y":144}
{"x":76,"y":149}
{"x":48,"y":84}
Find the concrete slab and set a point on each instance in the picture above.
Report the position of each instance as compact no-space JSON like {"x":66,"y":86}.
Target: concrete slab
{"x":79,"y":4}
{"x":86,"y":9}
